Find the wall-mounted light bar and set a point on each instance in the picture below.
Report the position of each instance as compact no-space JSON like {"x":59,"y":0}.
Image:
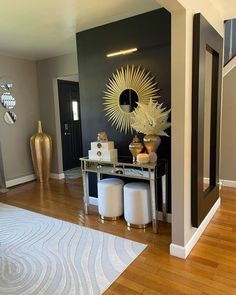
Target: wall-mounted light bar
{"x":122,"y":52}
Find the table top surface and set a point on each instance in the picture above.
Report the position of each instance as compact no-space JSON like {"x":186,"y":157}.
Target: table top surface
{"x":128,"y":161}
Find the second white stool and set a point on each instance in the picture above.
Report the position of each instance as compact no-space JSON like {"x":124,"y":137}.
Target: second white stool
{"x":110,"y":198}
{"x":137,"y":204}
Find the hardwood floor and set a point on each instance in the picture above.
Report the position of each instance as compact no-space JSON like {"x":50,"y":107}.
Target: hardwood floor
{"x":210,"y":268}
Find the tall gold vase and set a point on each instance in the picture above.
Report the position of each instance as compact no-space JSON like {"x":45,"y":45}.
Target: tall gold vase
{"x":41,"y":151}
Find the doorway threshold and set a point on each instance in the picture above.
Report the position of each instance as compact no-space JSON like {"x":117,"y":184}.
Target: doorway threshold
{"x":73,"y":173}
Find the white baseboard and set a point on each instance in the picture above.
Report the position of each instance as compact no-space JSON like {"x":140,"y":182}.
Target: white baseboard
{"x":94,"y":201}
{"x":206,"y":180}
{"x":57,"y":175}
{"x":229,"y":183}
{"x":24,"y":179}
{"x":222,"y":182}
{"x":183,"y":252}
{"x":168,"y":217}
{"x":20,"y":180}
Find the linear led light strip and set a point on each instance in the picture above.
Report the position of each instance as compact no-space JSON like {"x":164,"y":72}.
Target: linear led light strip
{"x":122,"y":52}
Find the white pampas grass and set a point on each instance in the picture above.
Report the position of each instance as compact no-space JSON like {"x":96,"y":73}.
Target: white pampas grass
{"x":151,"y":118}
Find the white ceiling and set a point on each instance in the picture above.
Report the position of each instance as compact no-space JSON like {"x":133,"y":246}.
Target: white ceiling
{"x":227,"y":8}
{"x":45,"y":28}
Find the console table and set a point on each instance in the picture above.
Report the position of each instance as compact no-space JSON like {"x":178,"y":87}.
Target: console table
{"x":126,"y":168}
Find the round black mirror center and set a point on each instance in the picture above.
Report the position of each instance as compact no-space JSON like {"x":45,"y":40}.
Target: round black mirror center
{"x":128,"y":100}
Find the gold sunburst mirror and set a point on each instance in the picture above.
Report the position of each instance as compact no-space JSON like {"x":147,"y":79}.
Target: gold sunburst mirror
{"x":127,"y":86}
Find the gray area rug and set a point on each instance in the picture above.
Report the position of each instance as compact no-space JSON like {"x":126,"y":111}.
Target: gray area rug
{"x":44,"y":255}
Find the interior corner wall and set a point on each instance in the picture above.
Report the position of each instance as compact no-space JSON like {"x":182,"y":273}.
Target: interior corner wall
{"x":181,"y":126}
{"x":184,"y":236}
{"x":15,"y":146}
{"x":48,"y":71}
{"x":228,"y":138}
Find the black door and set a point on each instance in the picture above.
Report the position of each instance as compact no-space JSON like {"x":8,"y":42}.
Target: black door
{"x":70,"y":123}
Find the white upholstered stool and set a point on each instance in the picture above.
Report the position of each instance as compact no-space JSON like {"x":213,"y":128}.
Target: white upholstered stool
{"x":137,"y":204}
{"x":110,"y":198}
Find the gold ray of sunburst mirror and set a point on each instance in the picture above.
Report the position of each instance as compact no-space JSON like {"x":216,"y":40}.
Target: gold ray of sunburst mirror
{"x":128,"y":86}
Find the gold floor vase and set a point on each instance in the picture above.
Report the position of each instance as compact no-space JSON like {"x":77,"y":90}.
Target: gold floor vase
{"x":41,"y":151}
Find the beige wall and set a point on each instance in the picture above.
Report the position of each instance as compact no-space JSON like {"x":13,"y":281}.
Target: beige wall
{"x":48,"y":71}
{"x":228,"y":147}
{"x":35,"y":90}
{"x":15,"y":138}
{"x":182,"y":12}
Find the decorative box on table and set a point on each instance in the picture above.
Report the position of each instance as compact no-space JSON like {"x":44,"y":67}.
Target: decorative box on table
{"x":103,"y":151}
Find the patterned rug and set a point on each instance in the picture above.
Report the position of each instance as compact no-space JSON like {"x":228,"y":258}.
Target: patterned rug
{"x":43,"y":255}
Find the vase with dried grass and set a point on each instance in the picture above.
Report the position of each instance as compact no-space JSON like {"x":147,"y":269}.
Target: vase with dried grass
{"x":152,"y":120}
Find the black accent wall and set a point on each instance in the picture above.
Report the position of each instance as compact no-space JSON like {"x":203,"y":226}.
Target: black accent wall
{"x":151,"y":34}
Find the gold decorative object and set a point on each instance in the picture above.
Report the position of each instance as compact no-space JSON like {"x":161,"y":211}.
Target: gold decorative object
{"x":135,"y":147}
{"x":152,"y":157}
{"x":41,"y":150}
{"x":102,"y":137}
{"x":152,"y":120}
{"x":143,"y":158}
{"x":133,"y":82}
{"x":151,"y":142}
{"x":122,"y":52}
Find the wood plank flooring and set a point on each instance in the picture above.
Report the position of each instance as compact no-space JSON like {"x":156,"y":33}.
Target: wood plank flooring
{"x":209,"y":270}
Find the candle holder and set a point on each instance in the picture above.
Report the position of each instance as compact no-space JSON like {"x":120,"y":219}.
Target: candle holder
{"x":135,"y":148}
{"x":143,"y":158}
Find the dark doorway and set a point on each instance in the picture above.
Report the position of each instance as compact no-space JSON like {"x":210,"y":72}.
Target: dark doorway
{"x":68,"y":92}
